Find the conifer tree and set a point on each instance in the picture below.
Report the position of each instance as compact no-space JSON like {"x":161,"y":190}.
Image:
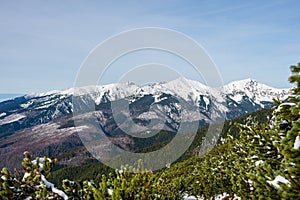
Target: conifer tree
{"x":290,"y":143}
{"x":278,"y":175}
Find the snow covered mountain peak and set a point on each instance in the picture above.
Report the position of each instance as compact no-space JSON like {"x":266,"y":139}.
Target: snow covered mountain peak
{"x":242,"y":84}
{"x":249,"y":85}
{"x":254,"y":90}
{"x":170,"y":103}
{"x":190,"y":90}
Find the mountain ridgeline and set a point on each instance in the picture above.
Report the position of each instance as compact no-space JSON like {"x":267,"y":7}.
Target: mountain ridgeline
{"x":47,"y":123}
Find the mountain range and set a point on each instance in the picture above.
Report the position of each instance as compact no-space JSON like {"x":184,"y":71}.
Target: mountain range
{"x":49,"y":123}
{"x":4,"y":97}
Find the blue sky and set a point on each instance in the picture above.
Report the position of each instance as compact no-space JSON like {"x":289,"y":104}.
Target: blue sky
{"x":43,"y":43}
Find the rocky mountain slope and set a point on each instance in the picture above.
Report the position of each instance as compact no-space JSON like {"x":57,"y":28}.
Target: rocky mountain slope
{"x":44,"y":122}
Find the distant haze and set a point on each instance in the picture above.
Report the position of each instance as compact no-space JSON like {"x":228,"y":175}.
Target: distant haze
{"x":4,"y":97}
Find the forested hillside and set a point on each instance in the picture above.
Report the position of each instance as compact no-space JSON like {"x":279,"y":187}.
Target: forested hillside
{"x":94,"y":169}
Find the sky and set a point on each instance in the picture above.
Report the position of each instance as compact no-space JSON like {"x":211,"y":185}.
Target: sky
{"x":44,"y":43}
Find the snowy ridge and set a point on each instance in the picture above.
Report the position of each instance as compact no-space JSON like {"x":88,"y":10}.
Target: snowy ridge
{"x":189,"y":90}
{"x":185,"y":88}
{"x":180,"y":100}
{"x":257,"y":91}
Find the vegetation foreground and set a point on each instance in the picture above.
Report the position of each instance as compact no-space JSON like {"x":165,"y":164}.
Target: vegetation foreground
{"x":262,"y":163}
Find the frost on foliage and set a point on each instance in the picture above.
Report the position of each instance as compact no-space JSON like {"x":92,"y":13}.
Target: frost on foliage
{"x":26,"y":174}
{"x":278,"y":109}
{"x":259,"y":162}
{"x":110,"y":191}
{"x":278,"y":179}
{"x":187,"y":197}
{"x":297,"y":142}
{"x":217,"y":197}
{"x":54,"y":190}
{"x":44,"y":180}
{"x":41,"y":160}
{"x":225,"y":196}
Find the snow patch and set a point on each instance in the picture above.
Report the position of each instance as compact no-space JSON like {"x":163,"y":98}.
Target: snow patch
{"x":3,"y":178}
{"x":216,"y":197}
{"x":259,"y":162}
{"x":41,"y":160}
{"x":2,"y":114}
{"x":11,"y":118}
{"x":207,"y":101}
{"x":81,"y":128}
{"x":148,"y":115}
{"x":278,"y":179}
{"x":237,"y":98}
{"x":187,"y":197}
{"x":54,"y":190}
{"x":278,"y":109}
{"x":46,"y":182}
{"x":110,"y":191}
{"x":25,"y":175}
{"x":26,"y":105}
{"x":297,"y":142}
